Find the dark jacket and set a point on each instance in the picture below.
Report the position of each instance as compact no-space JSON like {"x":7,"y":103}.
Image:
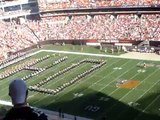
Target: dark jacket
{"x":25,"y":113}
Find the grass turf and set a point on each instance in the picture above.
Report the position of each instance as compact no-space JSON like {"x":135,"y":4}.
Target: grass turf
{"x":96,"y":96}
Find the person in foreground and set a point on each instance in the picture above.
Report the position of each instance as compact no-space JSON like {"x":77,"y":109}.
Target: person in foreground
{"x":21,"y":110}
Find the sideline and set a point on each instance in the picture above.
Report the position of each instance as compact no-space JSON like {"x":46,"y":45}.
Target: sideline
{"x":130,"y":55}
{"x":18,"y":59}
{"x":52,"y":115}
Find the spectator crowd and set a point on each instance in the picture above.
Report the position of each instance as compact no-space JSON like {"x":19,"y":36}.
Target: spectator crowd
{"x":67,"y":4}
{"x":15,"y":36}
{"x":20,"y":8}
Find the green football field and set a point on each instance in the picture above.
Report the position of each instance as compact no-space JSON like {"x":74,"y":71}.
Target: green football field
{"x":98,"y":95}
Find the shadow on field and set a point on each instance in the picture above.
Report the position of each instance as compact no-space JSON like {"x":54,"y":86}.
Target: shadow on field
{"x":152,"y":101}
{"x":98,"y":106}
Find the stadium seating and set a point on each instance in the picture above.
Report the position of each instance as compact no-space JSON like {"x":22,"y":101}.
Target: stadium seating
{"x":70,"y":4}
{"x":101,"y":27}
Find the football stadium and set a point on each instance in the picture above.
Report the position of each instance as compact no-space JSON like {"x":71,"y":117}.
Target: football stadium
{"x":82,"y":59}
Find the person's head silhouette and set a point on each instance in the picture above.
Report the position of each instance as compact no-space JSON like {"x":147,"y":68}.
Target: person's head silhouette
{"x":18,"y":92}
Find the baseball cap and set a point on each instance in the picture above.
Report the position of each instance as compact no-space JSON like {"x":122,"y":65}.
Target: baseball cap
{"x":18,"y":91}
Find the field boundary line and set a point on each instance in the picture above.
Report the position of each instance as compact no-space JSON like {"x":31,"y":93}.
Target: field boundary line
{"x":75,"y":53}
{"x":15,"y":61}
{"x":31,"y":54}
{"x":93,"y":54}
{"x":136,"y":89}
{"x":139,"y":84}
{"x":144,"y":94}
{"x":103,"y":79}
{"x":51,"y":85}
{"x":118,"y":77}
{"x":151,"y":103}
{"x":19,"y":59}
{"x":96,"y":81}
{"x":82,"y":82}
{"x":147,"y":107}
{"x":44,"y":87}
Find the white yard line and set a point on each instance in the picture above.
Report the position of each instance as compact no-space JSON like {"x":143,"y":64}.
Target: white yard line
{"x":8,"y":103}
{"x":139,"y":84}
{"x":51,"y":85}
{"x":149,"y":88}
{"x":151,"y":103}
{"x":80,"y":53}
{"x":13,"y":62}
{"x":117,"y":87}
{"x":77,"y":53}
{"x":19,"y":59}
{"x":143,"y":95}
{"x":123,"y":56}
{"x":87,"y":54}
{"x":116,"y":78}
{"x":81,"y":83}
{"x":31,"y":54}
{"x":95,"y":82}
{"x":134,"y":89}
{"x":6,"y":87}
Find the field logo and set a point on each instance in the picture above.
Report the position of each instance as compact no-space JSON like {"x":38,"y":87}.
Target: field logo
{"x":127,"y":84}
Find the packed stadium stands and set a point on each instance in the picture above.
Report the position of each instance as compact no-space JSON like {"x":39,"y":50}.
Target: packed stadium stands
{"x":107,"y":26}
{"x":66,"y":4}
{"x":27,"y":7}
{"x":17,"y":32}
{"x":130,"y":27}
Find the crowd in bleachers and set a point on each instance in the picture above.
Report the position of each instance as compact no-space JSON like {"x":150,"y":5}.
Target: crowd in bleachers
{"x":45,"y":5}
{"x":66,"y":4}
{"x":15,"y":36}
{"x":132,"y":27}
